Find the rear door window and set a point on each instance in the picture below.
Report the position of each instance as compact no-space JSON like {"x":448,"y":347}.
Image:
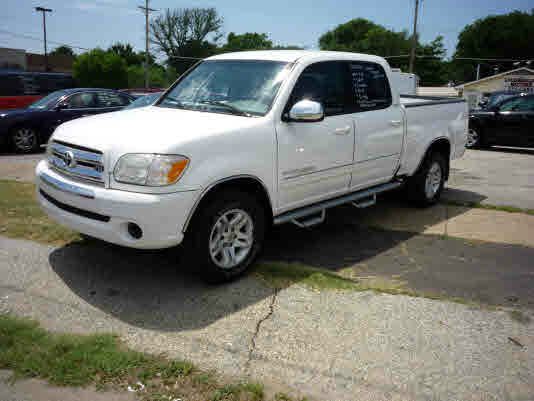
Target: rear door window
{"x":370,"y":86}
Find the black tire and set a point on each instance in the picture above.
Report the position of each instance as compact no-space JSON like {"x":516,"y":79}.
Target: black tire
{"x":24,"y":139}
{"x":416,"y":188}
{"x":202,"y":231}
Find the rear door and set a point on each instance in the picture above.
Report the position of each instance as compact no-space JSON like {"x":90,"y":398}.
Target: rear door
{"x":379,"y":128}
{"x":315,"y":158}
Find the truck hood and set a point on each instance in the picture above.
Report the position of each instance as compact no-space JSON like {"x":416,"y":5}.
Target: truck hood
{"x":148,"y":129}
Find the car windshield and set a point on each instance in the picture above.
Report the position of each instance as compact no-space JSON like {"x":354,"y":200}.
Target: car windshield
{"x":234,"y":87}
{"x":143,"y":101}
{"x":496,"y":99}
{"x":47,"y":101}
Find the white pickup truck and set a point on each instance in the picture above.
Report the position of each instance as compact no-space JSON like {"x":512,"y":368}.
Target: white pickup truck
{"x":245,"y":140}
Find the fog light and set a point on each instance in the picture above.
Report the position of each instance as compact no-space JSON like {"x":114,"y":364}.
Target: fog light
{"x":135,"y":231}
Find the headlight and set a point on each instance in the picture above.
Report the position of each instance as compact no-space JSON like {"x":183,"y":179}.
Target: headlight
{"x":149,"y":169}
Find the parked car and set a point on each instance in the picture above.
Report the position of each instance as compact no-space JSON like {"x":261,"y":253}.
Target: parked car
{"x":508,"y":123}
{"x":491,"y":99}
{"x":136,"y":92}
{"x":243,"y":141}
{"x":18,"y":89}
{"x":144,"y":101}
{"x":26,"y":129}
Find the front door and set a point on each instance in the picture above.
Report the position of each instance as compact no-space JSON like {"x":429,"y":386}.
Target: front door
{"x":315,"y":158}
{"x":514,"y":122}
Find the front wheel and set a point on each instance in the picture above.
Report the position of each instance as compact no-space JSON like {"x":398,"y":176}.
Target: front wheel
{"x":426,"y":186}
{"x":473,"y":138}
{"x":24,"y":140}
{"x":227,"y":235}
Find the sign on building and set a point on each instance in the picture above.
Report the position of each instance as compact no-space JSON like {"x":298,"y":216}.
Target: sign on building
{"x":519,"y":83}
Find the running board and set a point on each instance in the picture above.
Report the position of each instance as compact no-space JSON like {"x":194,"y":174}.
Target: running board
{"x":360,"y":198}
{"x":366,"y":202}
{"x":310,"y":221}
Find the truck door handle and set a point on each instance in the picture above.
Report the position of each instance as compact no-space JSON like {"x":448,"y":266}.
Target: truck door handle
{"x":395,"y":123}
{"x":342,"y":131}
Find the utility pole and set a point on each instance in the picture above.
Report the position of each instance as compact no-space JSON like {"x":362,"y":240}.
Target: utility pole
{"x":414,"y":36}
{"x":44,"y":11}
{"x":147,"y":11}
{"x":478,"y":71}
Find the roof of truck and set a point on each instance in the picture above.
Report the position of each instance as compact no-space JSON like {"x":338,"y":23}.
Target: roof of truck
{"x":294,"y":55}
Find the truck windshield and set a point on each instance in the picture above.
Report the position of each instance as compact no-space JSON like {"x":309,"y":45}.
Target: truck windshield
{"x":240,"y":87}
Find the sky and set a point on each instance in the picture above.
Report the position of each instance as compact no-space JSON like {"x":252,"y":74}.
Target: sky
{"x":92,"y":23}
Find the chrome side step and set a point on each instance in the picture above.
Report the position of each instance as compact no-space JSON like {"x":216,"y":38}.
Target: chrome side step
{"x":359,"y":199}
{"x":310,"y":221}
{"x":363,"y":203}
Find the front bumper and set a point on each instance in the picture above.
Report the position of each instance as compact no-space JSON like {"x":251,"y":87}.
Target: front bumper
{"x":105,"y":213}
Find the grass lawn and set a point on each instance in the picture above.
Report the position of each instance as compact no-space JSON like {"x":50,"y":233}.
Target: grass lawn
{"x":21,"y":216}
{"x":104,"y":362}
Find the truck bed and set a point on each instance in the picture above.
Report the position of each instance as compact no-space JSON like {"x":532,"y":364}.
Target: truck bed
{"x":429,"y":118}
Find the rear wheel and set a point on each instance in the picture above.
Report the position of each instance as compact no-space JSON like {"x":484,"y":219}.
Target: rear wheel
{"x":24,"y":140}
{"x":227,"y":235}
{"x":426,"y":186}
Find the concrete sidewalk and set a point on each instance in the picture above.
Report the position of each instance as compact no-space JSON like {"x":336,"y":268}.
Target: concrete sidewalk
{"x":442,"y":219}
{"x":38,"y":390}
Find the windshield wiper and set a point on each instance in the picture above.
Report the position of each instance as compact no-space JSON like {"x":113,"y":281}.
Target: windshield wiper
{"x":227,"y":106}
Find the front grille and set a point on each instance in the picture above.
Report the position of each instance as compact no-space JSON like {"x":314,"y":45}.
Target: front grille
{"x":77,"y":162}
{"x":74,"y":210}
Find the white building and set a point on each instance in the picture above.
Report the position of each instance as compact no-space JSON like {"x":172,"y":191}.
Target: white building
{"x":520,"y":80}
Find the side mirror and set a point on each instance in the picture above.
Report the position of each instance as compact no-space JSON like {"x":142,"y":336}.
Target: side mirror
{"x":306,"y":111}
{"x":61,"y":106}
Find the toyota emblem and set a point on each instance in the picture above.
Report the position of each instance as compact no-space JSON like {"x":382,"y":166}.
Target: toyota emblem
{"x":70,"y":161}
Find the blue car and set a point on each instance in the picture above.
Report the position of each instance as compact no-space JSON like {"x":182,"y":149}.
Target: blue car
{"x":25,"y":130}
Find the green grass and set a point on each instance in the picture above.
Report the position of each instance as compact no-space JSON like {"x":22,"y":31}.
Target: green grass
{"x":104,"y":362}
{"x":502,"y":208}
{"x":21,"y":216}
{"x":282,"y":275}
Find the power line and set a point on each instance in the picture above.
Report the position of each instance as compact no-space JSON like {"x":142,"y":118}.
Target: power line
{"x":464,"y":58}
{"x":24,"y":36}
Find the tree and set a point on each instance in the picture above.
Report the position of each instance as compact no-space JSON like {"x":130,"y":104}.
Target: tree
{"x":159,"y":77}
{"x":62,"y":50}
{"x":185,"y":33}
{"x":363,"y":36}
{"x":98,"y":68}
{"x":247,"y":41}
{"x":126,"y":52}
{"x":509,"y":36}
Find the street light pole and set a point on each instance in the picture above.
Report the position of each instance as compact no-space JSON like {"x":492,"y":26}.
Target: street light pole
{"x":147,"y":11}
{"x":414,"y":36}
{"x":44,"y":11}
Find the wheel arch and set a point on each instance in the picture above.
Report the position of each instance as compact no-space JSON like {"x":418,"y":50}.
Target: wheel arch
{"x":247,"y":183}
{"x":442,"y":146}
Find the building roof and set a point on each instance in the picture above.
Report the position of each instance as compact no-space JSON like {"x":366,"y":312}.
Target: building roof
{"x":502,"y":74}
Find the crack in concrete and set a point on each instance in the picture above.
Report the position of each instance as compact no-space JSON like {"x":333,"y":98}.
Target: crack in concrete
{"x":256,"y":333}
